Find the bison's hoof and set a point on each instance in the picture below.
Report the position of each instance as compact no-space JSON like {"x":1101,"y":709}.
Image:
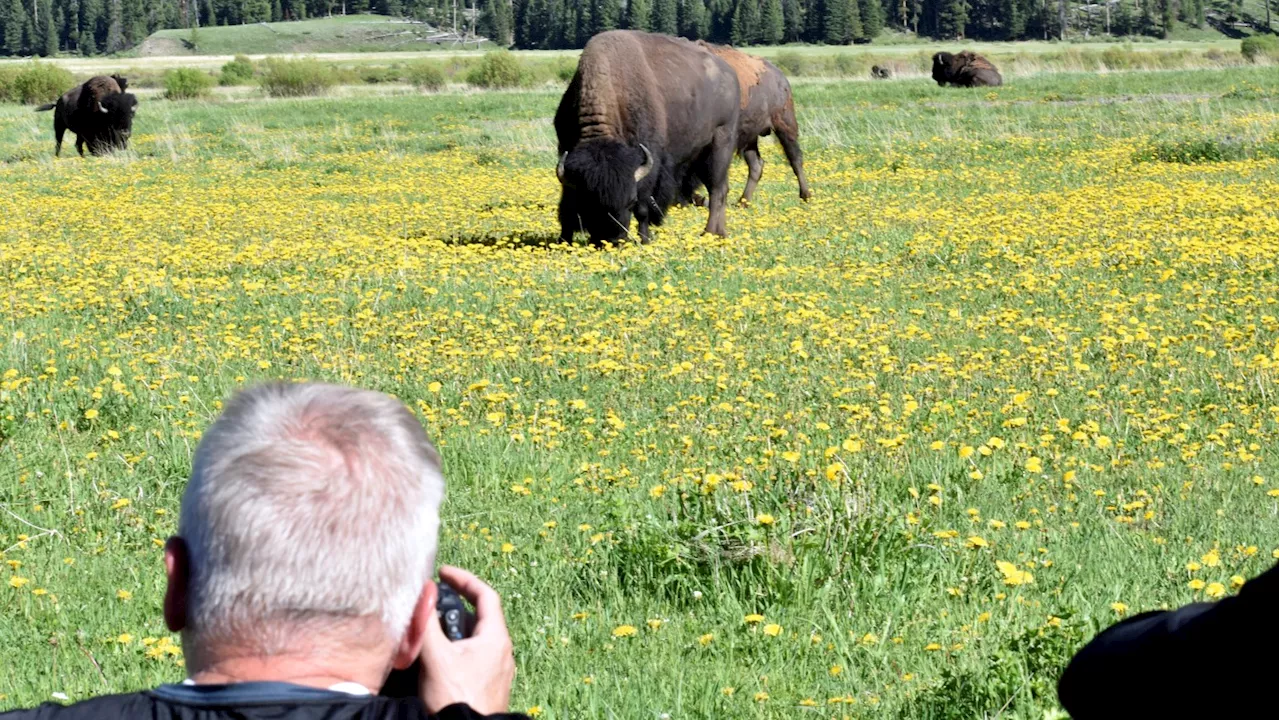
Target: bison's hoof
{"x":699,"y":200}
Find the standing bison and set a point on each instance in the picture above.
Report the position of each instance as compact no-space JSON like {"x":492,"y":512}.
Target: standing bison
{"x":965,"y":69}
{"x":642,"y":113}
{"x":99,"y":112}
{"x":766,"y":107}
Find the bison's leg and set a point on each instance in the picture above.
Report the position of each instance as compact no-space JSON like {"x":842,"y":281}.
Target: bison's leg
{"x":787,"y":130}
{"x":717,"y":179}
{"x":59,"y":129}
{"x":755,"y":168}
{"x":80,"y":144}
{"x":569,"y":222}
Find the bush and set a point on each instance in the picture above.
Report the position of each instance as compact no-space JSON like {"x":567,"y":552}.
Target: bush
{"x":292,"y":78}
{"x":790,"y":63}
{"x":237,"y":72}
{"x":498,"y":69}
{"x":186,"y":84}
{"x":566,"y":68}
{"x":34,"y":83}
{"x":1260,"y":47}
{"x":425,"y":76}
{"x":374,"y":75}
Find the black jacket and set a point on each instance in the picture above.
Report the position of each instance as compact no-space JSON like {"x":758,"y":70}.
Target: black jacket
{"x":1204,"y":660}
{"x":246,"y":701}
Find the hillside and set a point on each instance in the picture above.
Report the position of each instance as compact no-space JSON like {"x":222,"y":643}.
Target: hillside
{"x":344,"y":34}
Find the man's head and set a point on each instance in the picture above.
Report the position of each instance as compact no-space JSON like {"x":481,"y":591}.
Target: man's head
{"x":310,"y":519}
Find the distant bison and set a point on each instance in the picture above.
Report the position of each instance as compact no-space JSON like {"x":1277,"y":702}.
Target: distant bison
{"x":99,"y":112}
{"x":766,"y":107}
{"x":965,"y":69}
{"x":643,"y":112}
{"x":881,"y":73}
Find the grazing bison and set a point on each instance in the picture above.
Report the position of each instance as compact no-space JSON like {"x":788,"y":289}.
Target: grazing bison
{"x":881,"y":73}
{"x":98,"y":112}
{"x":642,"y":112}
{"x":766,"y":107}
{"x":965,"y":69}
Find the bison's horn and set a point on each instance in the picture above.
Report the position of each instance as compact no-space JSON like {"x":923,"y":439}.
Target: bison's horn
{"x":103,"y":110}
{"x":647,"y":166}
{"x":560,"y":167}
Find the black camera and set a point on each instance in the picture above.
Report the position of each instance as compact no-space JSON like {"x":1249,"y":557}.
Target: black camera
{"x":457,"y":622}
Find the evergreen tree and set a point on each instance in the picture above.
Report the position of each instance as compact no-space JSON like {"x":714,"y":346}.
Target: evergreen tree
{"x":639,"y":14}
{"x":49,"y":38}
{"x":853,"y":25}
{"x":251,"y":11}
{"x":772,"y":26}
{"x":494,"y":21}
{"x":605,"y":15}
{"x":664,"y":17}
{"x":719,"y":20}
{"x":15,"y":27}
{"x":745,"y":29}
{"x":835,"y":21}
{"x":792,"y":21}
{"x":872,"y":14}
{"x":952,"y":17}
{"x":115,"y":28}
{"x":537,"y":27}
{"x":695,"y":21}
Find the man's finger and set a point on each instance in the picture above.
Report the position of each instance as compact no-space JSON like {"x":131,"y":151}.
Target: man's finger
{"x":434,"y":636}
{"x":488,"y":603}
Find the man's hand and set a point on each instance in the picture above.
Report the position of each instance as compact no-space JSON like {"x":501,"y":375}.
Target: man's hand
{"x":478,"y":670}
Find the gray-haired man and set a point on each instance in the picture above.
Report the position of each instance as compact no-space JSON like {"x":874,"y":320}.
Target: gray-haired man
{"x":301,"y":575}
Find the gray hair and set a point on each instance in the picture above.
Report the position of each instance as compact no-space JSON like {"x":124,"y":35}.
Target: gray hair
{"x":309,"y":504}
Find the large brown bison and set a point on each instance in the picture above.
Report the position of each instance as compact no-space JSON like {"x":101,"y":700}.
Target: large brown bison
{"x":642,"y":113}
{"x":964,"y":69}
{"x":766,"y":107}
{"x":99,"y":112}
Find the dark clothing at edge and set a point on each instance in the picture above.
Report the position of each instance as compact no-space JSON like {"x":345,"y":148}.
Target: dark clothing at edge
{"x":1204,"y":660}
{"x":247,"y":701}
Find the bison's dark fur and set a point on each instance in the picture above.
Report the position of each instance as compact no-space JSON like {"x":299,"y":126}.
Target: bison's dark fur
{"x":881,"y":73}
{"x":767,"y":107}
{"x":98,"y":112}
{"x":965,"y":69}
{"x":642,"y":112}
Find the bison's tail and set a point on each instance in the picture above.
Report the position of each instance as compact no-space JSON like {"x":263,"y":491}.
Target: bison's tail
{"x":46,"y":106}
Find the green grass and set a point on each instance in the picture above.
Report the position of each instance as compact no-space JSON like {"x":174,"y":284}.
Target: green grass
{"x":349,"y":33}
{"x":1098,"y":250}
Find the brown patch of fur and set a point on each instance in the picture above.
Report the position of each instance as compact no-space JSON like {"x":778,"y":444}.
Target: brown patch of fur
{"x":748,"y":68}
{"x":973,"y":60}
{"x":95,"y":90}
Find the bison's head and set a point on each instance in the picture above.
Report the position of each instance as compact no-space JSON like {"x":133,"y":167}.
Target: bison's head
{"x":942,"y":64}
{"x":119,"y":109}
{"x":601,"y":182}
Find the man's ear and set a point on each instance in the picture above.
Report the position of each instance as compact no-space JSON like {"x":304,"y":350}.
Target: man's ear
{"x":177,"y":568}
{"x":414,"y":635}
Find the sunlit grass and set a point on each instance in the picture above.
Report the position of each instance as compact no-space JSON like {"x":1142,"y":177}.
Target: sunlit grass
{"x":897,"y":450}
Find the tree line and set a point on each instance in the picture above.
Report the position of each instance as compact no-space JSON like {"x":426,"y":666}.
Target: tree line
{"x":46,"y":27}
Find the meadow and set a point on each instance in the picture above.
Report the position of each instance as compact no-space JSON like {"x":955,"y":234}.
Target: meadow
{"x":898,"y":451}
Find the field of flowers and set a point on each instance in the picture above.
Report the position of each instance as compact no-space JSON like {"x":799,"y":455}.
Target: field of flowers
{"x":898,"y":451}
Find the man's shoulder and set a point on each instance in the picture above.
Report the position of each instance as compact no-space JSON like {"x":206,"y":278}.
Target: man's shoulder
{"x":138,"y":704}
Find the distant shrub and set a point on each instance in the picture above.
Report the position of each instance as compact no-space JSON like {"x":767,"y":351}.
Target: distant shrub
{"x":790,"y":63}
{"x":377,"y":75}
{"x":1260,"y":47}
{"x":1193,"y":151}
{"x":186,"y":84}
{"x":293,"y":78}
{"x":847,"y":65}
{"x":498,"y":69}
{"x":237,"y":72}
{"x":425,"y":76}
{"x":566,"y":68}
{"x":34,"y":82}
